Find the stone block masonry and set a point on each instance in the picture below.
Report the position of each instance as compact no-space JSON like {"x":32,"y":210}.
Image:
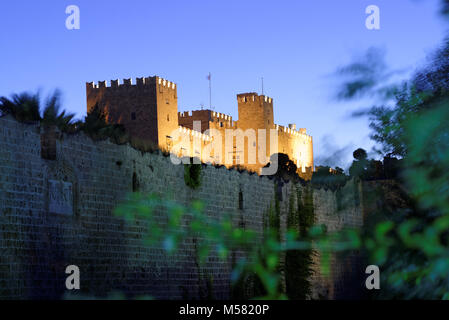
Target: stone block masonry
{"x":55,"y":213}
{"x":148,"y":110}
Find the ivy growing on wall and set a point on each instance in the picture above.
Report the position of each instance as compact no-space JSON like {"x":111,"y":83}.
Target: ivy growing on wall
{"x":205,"y":279}
{"x":356,"y":193}
{"x":298,"y":263}
{"x":192,"y":175}
{"x":249,"y":285}
{"x":274,"y":218}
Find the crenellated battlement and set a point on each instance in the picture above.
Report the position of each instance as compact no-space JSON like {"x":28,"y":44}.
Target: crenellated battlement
{"x":193,"y":113}
{"x":297,"y":133}
{"x":194,"y":133}
{"x":197,"y":113}
{"x":221,"y":116}
{"x":253,"y":97}
{"x":155,"y":80}
{"x":148,"y":109}
{"x":165,"y":83}
{"x":223,"y":120}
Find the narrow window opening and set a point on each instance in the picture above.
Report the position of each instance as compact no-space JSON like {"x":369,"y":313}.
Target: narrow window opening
{"x":240,"y":200}
{"x":135,"y":183}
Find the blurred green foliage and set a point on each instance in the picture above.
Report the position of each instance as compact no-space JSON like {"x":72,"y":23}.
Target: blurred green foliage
{"x":261,"y":253}
{"x":299,"y":263}
{"x":192,"y":174}
{"x":411,"y":244}
{"x":218,"y":237}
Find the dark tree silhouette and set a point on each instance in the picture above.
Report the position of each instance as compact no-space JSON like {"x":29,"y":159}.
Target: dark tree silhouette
{"x":27,"y":107}
{"x":287,"y":169}
{"x":360,"y":154}
{"x":96,"y":126}
{"x":24,"y":107}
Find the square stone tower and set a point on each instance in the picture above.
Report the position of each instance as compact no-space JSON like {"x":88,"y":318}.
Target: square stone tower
{"x":147,"y":108}
{"x":255,"y":113}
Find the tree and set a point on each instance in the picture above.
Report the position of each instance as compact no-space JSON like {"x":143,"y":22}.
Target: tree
{"x":96,"y":126}
{"x":328,"y":178}
{"x":413,"y":125}
{"x":360,"y":154}
{"x":24,"y":107}
{"x":287,"y":169}
{"x":53,"y":114}
{"x":360,"y":163}
{"x":27,"y":107}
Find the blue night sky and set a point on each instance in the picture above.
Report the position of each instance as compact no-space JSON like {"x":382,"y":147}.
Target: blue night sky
{"x":294,"y":45}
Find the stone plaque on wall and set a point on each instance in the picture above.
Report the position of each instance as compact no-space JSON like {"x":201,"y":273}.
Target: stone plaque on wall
{"x":60,"y":197}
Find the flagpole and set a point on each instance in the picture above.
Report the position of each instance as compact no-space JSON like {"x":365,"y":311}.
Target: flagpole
{"x":210,"y":91}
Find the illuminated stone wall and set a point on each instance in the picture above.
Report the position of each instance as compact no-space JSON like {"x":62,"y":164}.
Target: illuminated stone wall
{"x":148,"y":108}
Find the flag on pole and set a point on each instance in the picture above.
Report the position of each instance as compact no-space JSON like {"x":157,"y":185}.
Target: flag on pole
{"x":209,"y":77}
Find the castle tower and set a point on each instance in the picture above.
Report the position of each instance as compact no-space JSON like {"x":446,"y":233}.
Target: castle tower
{"x":147,"y":108}
{"x":256,"y":112}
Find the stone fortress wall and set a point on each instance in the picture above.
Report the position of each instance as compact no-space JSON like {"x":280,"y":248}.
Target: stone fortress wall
{"x":55,"y":213}
{"x":149,"y":110}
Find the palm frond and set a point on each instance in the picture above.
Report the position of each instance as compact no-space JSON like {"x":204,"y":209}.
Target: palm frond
{"x":24,"y":106}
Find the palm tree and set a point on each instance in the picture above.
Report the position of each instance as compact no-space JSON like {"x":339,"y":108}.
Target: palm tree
{"x":53,"y":114}
{"x":26,"y":107}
